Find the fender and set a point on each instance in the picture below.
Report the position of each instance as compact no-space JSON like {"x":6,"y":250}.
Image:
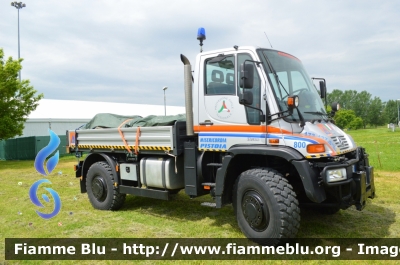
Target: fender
{"x":93,"y":158}
{"x":308,"y":176}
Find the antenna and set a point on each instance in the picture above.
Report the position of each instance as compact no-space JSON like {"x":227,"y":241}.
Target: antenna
{"x":268,"y":39}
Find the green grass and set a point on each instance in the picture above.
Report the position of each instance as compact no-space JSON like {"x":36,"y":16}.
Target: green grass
{"x":382,"y":145}
{"x":185,"y":218}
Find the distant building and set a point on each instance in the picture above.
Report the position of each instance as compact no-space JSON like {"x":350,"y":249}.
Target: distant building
{"x":62,"y":115}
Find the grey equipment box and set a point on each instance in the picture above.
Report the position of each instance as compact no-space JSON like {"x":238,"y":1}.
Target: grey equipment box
{"x":129,"y":171}
{"x":159,"y":172}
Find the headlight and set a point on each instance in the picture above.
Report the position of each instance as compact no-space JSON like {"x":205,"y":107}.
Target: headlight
{"x":337,"y":174}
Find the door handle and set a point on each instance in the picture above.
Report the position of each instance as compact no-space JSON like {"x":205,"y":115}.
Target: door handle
{"x":206,"y":123}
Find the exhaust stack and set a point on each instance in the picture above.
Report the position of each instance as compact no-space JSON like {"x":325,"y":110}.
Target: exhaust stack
{"x":188,"y":95}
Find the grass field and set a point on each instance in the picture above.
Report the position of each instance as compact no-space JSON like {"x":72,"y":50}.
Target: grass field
{"x":184,"y":217}
{"x":383,"y":146}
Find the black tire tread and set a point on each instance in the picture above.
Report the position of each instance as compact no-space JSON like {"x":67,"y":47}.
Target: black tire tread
{"x":289,"y":212}
{"x":118,"y":198}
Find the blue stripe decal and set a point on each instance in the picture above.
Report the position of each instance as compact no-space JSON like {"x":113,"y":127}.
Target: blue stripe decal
{"x":300,"y":139}
{"x":258,"y":135}
{"x":271,"y":136}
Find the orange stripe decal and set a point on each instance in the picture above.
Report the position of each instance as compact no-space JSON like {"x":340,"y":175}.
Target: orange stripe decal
{"x":239,"y":128}
{"x":319,"y":140}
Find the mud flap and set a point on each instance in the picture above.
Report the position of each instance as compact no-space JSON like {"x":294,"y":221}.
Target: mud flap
{"x":78,"y":174}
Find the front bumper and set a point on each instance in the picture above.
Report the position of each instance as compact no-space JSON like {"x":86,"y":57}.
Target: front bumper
{"x":358,"y":186}
{"x":365,"y":187}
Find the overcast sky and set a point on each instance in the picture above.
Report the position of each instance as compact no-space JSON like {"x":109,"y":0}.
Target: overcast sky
{"x":127,"y":51}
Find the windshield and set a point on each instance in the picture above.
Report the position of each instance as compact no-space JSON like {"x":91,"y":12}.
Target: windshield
{"x":288,"y":77}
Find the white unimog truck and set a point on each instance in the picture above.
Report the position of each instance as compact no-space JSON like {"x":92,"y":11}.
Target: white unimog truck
{"x":256,"y":135}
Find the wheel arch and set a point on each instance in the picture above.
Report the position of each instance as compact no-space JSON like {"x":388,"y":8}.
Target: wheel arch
{"x":93,"y":158}
{"x":232,"y":168}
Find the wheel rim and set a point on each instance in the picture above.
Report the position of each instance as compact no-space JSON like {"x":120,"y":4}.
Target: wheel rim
{"x":255,"y":211}
{"x":99,"y":188}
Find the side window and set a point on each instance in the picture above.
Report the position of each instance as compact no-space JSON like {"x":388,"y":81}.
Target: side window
{"x":220,"y":77}
{"x":253,"y":115}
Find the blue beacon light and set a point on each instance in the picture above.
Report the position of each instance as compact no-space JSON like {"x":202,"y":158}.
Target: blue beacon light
{"x":201,"y":35}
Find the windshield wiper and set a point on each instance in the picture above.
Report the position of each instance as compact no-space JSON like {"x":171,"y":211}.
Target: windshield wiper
{"x":272,"y":70}
{"x":317,"y":113}
{"x":279,"y":84}
{"x":323,"y":115}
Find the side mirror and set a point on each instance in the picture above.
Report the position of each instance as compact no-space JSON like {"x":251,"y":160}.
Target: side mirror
{"x":247,"y":98}
{"x":322,"y":89}
{"x":246,"y":75}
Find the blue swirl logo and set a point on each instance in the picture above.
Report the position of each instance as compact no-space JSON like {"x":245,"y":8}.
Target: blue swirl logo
{"x":35,"y":199}
{"x":45,"y":152}
{"x":50,"y":165}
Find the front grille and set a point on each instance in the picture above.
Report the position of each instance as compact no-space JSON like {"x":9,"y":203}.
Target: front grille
{"x":341,"y":142}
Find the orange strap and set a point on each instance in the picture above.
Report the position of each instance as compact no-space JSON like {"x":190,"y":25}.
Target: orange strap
{"x":122,"y":135}
{"x":137,"y":141}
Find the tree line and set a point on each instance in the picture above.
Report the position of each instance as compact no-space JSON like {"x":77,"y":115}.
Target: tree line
{"x":359,"y":109}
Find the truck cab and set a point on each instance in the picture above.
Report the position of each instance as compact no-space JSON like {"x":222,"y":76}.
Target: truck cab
{"x":256,"y":135}
{"x":276,"y":77}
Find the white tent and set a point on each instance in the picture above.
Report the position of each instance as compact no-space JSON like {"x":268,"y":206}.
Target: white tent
{"x":62,"y":115}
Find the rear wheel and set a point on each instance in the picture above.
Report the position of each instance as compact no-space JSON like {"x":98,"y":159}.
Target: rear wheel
{"x":102,"y":193}
{"x":266,"y":206}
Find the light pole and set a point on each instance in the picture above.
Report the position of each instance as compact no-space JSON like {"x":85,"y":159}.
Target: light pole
{"x":165,"y":101}
{"x":18,"y":5}
{"x":398,"y":122}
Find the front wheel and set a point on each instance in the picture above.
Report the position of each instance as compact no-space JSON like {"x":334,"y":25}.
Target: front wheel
{"x":100,"y":188}
{"x":266,"y":206}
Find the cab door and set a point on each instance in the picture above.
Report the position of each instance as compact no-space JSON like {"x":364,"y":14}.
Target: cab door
{"x":220,"y":101}
{"x":223,"y":121}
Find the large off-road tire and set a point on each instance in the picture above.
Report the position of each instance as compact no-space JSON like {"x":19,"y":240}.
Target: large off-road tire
{"x":102,"y":193}
{"x":266,"y":206}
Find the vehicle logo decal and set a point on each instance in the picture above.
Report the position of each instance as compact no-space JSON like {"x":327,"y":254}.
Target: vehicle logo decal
{"x":224,"y":108}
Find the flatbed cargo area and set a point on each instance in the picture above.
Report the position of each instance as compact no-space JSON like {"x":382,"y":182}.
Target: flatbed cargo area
{"x":142,"y":139}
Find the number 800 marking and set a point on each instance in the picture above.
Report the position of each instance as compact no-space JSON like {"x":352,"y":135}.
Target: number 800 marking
{"x":299,"y":145}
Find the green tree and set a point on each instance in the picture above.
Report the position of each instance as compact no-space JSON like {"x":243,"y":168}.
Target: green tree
{"x":390,"y":111}
{"x":335,"y":96}
{"x":375,"y":115}
{"x":360,"y":105}
{"x":348,"y":98}
{"x":343,"y":118}
{"x":357,"y":123}
{"x":352,"y":100}
{"x":17,"y":99}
